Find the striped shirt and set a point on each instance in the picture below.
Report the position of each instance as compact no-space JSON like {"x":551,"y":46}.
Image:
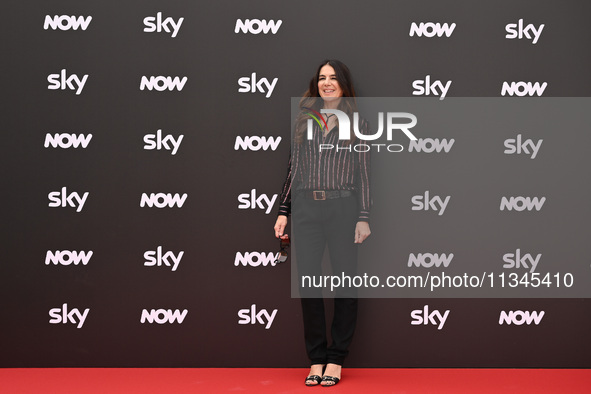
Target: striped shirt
{"x":328,"y":169}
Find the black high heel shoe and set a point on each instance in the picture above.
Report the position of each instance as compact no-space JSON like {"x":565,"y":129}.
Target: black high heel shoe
{"x":329,"y":380}
{"x":314,"y":378}
{"x":332,"y":379}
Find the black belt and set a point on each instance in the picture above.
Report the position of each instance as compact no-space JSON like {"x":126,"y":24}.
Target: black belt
{"x":325,"y":194}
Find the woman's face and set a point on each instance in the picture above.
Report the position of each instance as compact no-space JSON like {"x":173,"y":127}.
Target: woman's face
{"x":328,"y":86}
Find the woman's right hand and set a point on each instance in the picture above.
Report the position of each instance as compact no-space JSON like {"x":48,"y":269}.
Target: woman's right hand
{"x":280,"y":225}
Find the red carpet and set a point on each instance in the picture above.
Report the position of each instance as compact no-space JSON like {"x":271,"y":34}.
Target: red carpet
{"x":291,"y":380}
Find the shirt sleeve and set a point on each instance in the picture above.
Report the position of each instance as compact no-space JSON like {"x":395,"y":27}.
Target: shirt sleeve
{"x":291,"y":179}
{"x":285,"y":196}
{"x":362,"y":179}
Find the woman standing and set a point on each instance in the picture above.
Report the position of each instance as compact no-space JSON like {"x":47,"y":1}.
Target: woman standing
{"x":329,"y":189}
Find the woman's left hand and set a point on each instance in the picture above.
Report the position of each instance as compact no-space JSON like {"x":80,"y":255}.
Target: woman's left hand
{"x":361,"y":232}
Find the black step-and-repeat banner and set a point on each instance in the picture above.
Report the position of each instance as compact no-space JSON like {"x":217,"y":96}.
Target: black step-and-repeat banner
{"x":144,"y":145}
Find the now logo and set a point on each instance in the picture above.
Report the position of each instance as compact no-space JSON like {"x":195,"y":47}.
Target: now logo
{"x":520,"y":317}
{"x":161,"y":83}
{"x":162,"y":316}
{"x":255,"y":259}
{"x":430,"y":29}
{"x":256,"y":26}
{"x":255,"y":143}
{"x":429,"y":260}
{"x":520,"y":203}
{"x":430,"y":145}
{"x":163,"y":200}
{"x":65,"y":140}
{"x":67,"y":257}
{"x":522,"y":88}
{"x":66,"y":22}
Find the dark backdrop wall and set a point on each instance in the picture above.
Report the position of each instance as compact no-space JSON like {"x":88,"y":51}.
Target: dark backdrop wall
{"x":90,"y":277}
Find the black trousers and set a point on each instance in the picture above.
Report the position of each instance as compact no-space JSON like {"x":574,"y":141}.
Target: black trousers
{"x":317,"y":224}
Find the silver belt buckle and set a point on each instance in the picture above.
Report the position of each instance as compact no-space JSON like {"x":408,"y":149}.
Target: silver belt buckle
{"x":319,"y":195}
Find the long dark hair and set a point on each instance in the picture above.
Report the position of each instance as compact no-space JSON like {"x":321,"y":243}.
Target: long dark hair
{"x":311,"y":98}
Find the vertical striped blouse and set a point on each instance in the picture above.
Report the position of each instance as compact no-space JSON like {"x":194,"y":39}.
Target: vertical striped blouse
{"x":312,"y":168}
